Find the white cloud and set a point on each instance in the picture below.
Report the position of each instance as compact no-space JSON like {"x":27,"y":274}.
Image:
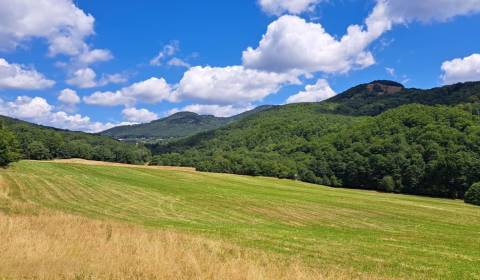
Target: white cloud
{"x":278,"y":7}
{"x":152,"y":90}
{"x":116,"y":78}
{"x":87,"y":78}
{"x":313,"y":93}
{"x":291,"y":43}
{"x":83,"y":78}
{"x":37,"y":110}
{"x":60,"y":22}
{"x":138,"y":115}
{"x":178,"y":62}
{"x":69,"y":97}
{"x":390,"y":71}
{"x":401,"y":11}
{"x":96,"y":55}
{"x":216,"y":110}
{"x":461,"y":69}
{"x":75,"y":122}
{"x":209,"y":85}
{"x":167,"y":51}
{"x":16,"y":76}
{"x":228,"y":85}
{"x":25,"y":107}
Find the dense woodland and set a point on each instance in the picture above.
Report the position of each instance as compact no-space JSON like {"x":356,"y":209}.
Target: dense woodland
{"x":415,"y":149}
{"x":364,"y":138}
{"x":28,"y":141}
{"x":176,"y":126}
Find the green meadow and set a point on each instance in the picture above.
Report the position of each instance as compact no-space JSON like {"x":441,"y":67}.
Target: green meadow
{"x":388,"y":235}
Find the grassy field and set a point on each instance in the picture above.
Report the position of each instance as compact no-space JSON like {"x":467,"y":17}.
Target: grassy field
{"x":360,"y":233}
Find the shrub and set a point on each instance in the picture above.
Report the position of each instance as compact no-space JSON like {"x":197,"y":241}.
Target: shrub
{"x":472,"y":195}
{"x":387,"y":184}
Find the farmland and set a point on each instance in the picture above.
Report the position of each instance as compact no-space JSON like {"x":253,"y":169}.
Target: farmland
{"x":356,"y":233}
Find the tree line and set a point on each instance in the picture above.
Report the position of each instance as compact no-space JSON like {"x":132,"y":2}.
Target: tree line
{"x":414,"y":149}
{"x":22,"y":140}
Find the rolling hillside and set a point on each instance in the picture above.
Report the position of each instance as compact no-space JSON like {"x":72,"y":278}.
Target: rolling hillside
{"x":365,"y":138}
{"x":365,"y":234}
{"x":41,"y":142}
{"x":175,"y":126}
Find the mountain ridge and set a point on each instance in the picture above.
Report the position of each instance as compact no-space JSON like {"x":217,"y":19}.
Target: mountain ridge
{"x":177,"y":125}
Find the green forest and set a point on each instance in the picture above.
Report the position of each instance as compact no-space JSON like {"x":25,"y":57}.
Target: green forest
{"x":23,"y":140}
{"x":364,"y":138}
{"x":176,"y":126}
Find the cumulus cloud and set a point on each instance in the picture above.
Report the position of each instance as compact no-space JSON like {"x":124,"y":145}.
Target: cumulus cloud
{"x":16,"y":76}
{"x":461,"y":69}
{"x":278,"y":7}
{"x":401,"y":11}
{"x":216,"y":110}
{"x":96,"y":55}
{"x":83,"y":78}
{"x":291,"y":43}
{"x":68,"y":97}
{"x":117,"y":78}
{"x":152,"y":90}
{"x":313,"y":93}
{"x":87,"y":78}
{"x":230,"y":85}
{"x":206,"y":85}
{"x":135,"y":115}
{"x":60,"y":22}
{"x":37,"y":110}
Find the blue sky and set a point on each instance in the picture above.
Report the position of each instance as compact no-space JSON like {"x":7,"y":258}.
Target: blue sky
{"x":89,"y":65}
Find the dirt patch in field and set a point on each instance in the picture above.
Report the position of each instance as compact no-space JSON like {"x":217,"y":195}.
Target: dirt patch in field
{"x":103,"y":163}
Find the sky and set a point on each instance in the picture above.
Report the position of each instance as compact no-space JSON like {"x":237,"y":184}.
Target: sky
{"x":91,"y":65}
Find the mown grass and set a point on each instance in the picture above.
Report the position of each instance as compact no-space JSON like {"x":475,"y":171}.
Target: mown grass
{"x":367,"y":232}
{"x":54,"y":245}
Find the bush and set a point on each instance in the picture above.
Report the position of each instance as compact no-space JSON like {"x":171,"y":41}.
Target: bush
{"x":387,"y":184}
{"x":472,"y":195}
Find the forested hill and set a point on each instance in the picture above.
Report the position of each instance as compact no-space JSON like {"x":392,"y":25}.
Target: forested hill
{"x":31,"y":141}
{"x":419,"y":149}
{"x":378,"y":96}
{"x":175,"y":126}
{"x":367,"y":99}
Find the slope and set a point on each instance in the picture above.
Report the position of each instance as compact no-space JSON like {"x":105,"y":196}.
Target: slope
{"x":42,"y":142}
{"x":364,"y":232}
{"x":417,"y":149}
{"x":379,"y":96}
{"x":175,"y":126}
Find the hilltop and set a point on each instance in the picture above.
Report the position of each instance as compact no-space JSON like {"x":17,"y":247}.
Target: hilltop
{"x":175,"y":126}
{"x":379,"y":96}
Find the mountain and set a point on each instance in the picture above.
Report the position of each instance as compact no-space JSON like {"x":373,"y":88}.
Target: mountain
{"x":176,"y":126}
{"x":378,"y":96}
{"x":378,"y":136}
{"x":42,"y":142}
